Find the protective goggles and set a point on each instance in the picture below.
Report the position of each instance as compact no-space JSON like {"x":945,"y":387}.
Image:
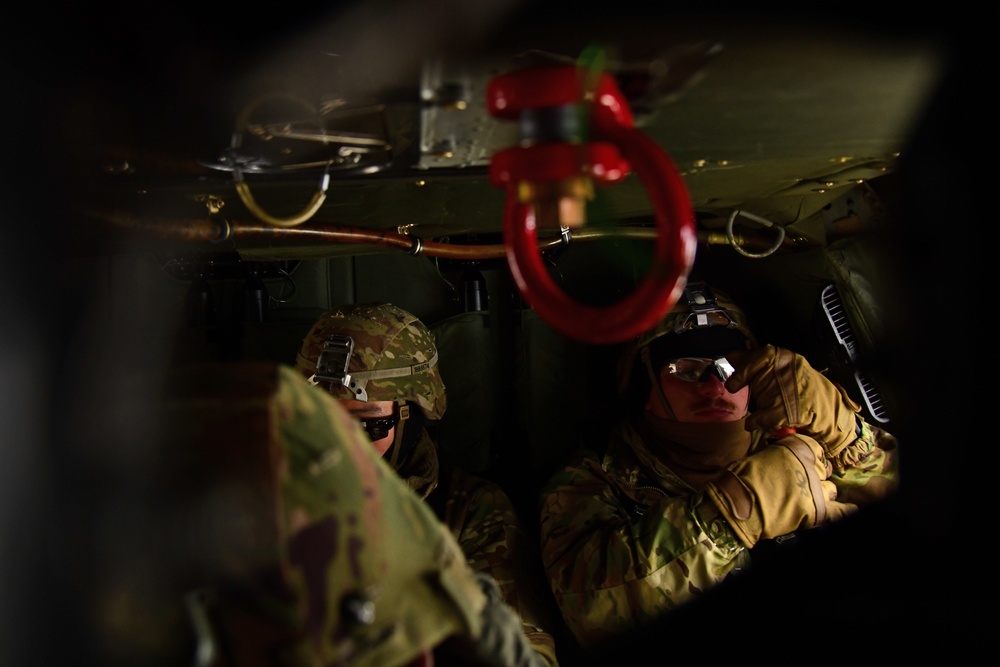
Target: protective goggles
{"x":379,"y":427}
{"x":699,"y":369}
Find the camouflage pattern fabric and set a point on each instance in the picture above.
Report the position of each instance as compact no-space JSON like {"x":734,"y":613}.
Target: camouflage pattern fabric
{"x":385,"y":338}
{"x":622,"y":543}
{"x":482,"y":519}
{"x":307,"y":548}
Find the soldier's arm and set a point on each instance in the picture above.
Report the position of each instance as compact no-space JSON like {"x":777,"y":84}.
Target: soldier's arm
{"x":611,"y":567}
{"x":868,"y":469}
{"x":495,"y":543}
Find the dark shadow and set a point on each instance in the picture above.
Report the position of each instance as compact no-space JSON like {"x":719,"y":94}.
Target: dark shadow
{"x":901,"y":577}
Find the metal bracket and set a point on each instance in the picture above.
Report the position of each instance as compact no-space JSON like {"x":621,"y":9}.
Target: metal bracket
{"x":334,"y":360}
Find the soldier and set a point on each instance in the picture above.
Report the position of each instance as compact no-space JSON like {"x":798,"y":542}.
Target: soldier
{"x":692,"y":481}
{"x":297,"y":545}
{"x":380,"y":361}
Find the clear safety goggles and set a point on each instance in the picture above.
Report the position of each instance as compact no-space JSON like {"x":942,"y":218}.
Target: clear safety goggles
{"x":699,"y":369}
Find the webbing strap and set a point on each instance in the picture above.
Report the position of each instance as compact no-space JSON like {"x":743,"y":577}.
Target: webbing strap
{"x":384,"y":373}
{"x":805,"y":456}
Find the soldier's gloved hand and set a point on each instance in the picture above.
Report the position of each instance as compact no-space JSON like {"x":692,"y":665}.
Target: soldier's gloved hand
{"x":778,"y":490}
{"x":788,"y":392}
{"x":502,"y":642}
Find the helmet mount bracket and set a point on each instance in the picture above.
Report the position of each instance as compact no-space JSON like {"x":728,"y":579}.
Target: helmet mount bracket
{"x":334,"y":359}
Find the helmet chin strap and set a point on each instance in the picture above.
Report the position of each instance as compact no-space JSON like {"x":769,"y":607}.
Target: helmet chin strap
{"x":397,"y":442}
{"x":657,"y":386}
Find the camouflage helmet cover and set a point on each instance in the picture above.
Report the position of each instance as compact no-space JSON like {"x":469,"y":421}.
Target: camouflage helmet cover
{"x":700,"y":309}
{"x":311,"y":555}
{"x":391,"y":356}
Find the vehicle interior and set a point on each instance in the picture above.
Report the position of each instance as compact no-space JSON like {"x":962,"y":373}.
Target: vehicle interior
{"x":206,"y":186}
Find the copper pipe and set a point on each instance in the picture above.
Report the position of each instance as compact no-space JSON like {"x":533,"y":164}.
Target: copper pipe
{"x":215,"y":230}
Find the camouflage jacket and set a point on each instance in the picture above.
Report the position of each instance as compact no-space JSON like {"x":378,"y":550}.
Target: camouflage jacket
{"x":483,"y":521}
{"x":622,"y":543}
{"x":273,"y":522}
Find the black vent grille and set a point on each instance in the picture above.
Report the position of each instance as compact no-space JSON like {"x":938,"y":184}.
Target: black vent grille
{"x":836,"y":315}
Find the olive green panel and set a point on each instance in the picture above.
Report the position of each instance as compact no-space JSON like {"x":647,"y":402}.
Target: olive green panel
{"x":313,"y":286}
{"x":467,"y":352}
{"x":551,"y":389}
{"x":416,"y":284}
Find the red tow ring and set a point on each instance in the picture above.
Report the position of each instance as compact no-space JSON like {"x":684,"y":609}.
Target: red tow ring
{"x":543,"y":99}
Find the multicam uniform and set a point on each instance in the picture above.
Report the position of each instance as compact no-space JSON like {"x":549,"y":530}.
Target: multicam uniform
{"x":293,"y":529}
{"x":642,"y":527}
{"x":483,"y":521}
{"x":624,"y":538}
{"x":481,"y":517}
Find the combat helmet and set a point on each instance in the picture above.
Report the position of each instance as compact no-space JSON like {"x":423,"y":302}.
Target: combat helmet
{"x":704,"y":322}
{"x":308,"y":549}
{"x":374,"y":352}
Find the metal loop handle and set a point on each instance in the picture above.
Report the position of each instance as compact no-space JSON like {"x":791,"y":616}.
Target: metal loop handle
{"x":243,"y":190}
{"x":293,"y":221}
{"x":779,"y":239}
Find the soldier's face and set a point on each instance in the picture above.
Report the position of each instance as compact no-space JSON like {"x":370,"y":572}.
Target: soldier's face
{"x":370,"y":411}
{"x":707,"y":401}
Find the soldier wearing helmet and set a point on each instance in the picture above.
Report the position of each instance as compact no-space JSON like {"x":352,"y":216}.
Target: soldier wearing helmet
{"x":279,"y":535}
{"x":728,"y":446}
{"x":381,"y":362}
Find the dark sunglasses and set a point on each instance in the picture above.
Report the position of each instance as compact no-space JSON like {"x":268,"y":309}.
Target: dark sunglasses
{"x":379,"y":427}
